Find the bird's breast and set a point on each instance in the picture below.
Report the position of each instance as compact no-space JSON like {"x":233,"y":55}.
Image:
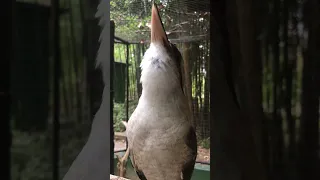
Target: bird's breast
{"x":159,"y":121}
{"x":156,"y":134}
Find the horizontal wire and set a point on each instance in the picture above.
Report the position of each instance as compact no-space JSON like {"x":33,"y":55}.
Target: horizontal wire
{"x":175,"y":10}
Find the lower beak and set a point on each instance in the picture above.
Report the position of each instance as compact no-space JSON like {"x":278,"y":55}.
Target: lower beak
{"x":158,"y":34}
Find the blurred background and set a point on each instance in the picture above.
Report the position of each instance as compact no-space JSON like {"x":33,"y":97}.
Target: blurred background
{"x":81,"y":83}
{"x":286,"y":76}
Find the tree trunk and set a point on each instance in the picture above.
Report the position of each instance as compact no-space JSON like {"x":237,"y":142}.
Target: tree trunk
{"x":75,"y":64}
{"x":251,"y":70}
{"x":235,"y":158}
{"x":138,"y":70}
{"x":309,"y":141}
{"x":206,"y":103}
{"x":277,"y":139}
{"x":195,"y":72}
{"x":288,"y":65}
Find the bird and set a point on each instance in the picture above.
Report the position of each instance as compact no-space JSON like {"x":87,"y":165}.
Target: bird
{"x":161,"y":138}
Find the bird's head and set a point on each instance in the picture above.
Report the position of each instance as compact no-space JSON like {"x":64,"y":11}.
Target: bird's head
{"x":161,"y":64}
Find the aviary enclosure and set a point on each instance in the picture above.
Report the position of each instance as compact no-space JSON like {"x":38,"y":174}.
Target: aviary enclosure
{"x":277,"y":85}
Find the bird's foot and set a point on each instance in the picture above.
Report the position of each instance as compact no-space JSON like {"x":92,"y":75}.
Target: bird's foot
{"x":122,"y":163}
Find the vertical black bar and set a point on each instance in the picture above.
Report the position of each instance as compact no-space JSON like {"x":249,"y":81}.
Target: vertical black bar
{"x":127,"y":74}
{"x":275,"y":166}
{"x":5,"y":97}
{"x":211,"y":60}
{"x":111,"y":97}
{"x":138,"y":73}
{"x":128,"y":80}
{"x":127,"y":94}
{"x":8,"y":100}
{"x":57,"y":66}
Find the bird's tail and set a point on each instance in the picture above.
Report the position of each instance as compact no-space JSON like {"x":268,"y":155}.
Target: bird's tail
{"x":125,"y":124}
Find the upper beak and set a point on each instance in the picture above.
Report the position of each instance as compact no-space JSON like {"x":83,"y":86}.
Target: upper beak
{"x":158,"y":33}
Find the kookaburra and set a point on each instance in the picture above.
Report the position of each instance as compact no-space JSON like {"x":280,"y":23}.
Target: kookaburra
{"x":161,"y":139}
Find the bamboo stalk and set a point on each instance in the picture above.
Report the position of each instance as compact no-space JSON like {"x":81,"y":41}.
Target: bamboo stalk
{"x":75,"y":65}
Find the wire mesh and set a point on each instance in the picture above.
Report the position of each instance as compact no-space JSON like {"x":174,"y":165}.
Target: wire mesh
{"x":187,"y":25}
{"x":183,"y":20}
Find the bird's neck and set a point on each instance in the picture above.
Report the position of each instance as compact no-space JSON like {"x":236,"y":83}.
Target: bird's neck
{"x":159,"y":84}
{"x":161,"y":94}
{"x":159,"y":77}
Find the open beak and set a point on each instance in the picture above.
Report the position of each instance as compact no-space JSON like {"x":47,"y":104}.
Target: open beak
{"x":158,"y":34}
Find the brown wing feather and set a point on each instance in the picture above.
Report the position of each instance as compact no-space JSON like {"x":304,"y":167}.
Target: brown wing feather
{"x":136,"y":168}
{"x":191,"y":142}
{"x":179,"y":62}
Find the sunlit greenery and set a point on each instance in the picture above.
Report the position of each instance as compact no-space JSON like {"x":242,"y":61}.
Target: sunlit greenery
{"x":130,"y":17}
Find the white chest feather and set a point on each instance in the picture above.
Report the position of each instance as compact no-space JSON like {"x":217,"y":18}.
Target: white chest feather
{"x":162,"y":105}
{"x":157,"y":129}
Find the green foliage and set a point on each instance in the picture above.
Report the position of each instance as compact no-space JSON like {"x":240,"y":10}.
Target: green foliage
{"x":205,"y":143}
{"x":127,"y":20}
{"x":119,"y":114}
